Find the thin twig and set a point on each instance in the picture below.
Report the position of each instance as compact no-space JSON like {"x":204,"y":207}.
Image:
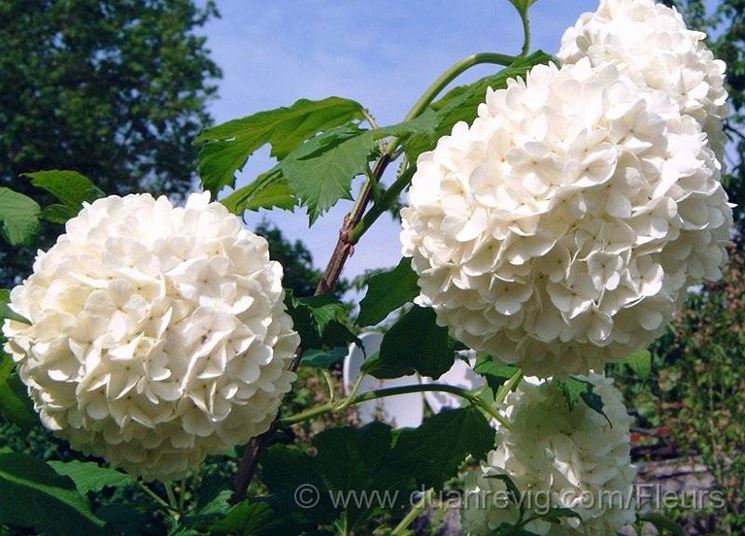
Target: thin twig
{"x":150,"y":493}
{"x":354,"y":399}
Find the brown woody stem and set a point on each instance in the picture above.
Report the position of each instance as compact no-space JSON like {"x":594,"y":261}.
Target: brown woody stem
{"x":351,"y":230}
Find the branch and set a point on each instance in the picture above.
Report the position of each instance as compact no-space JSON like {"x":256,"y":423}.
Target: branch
{"x":346,"y":241}
{"x":342,"y":251}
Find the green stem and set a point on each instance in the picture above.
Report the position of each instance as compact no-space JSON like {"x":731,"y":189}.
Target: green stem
{"x":416,"y":510}
{"x":329,"y":385}
{"x":171,"y":497}
{"x":526,"y":33}
{"x":154,"y":496}
{"x":182,"y":495}
{"x":369,"y":118}
{"x":389,"y":197}
{"x":425,"y":100}
{"x":394,"y":391}
{"x":352,"y":223}
{"x":452,"y":73}
{"x":347,"y":401}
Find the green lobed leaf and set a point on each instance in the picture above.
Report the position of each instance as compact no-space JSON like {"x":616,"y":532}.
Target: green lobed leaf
{"x":43,"y":499}
{"x":268,"y":190}
{"x":641,"y":363}
{"x":284,"y":469}
{"x":20,"y":217}
{"x":375,"y":459}
{"x":386,"y":292}
{"x":226,"y":148}
{"x":352,"y":459}
{"x":317,"y":174}
{"x":57,"y":213}
{"x":349,"y":456}
{"x":424,"y":125}
{"x":320,"y":172}
{"x":70,"y":187}
{"x":575,"y":390}
{"x":414,"y":344}
{"x":320,"y":321}
{"x":125,"y":519}
{"x":662,"y":523}
{"x":89,"y":476}
{"x":434,"y":451}
{"x":495,"y":373}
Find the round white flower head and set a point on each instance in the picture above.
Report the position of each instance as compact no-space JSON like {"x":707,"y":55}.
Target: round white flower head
{"x":557,"y":457}
{"x":561,"y":229}
{"x":651,"y":42}
{"x":158,"y":334}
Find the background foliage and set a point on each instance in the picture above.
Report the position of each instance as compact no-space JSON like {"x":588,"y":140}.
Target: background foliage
{"x":113,"y":89}
{"x":724,"y":23}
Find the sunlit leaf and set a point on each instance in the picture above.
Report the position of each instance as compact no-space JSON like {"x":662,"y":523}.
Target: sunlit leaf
{"x":226,"y":148}
{"x":495,"y":373}
{"x":19,"y":215}
{"x":70,"y":187}
{"x":43,"y":499}
{"x":89,"y":476}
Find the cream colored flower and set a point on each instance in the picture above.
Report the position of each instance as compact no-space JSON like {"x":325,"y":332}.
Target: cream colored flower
{"x":159,"y":334}
{"x":652,"y":44}
{"x":558,"y":458}
{"x":561,"y":230}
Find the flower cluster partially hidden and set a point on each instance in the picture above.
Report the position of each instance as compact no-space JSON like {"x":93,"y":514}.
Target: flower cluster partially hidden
{"x":569,"y":458}
{"x":158,"y":336}
{"x":651,"y":44}
{"x":561,"y":229}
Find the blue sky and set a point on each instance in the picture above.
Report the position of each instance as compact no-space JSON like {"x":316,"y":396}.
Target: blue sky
{"x":382,"y":53}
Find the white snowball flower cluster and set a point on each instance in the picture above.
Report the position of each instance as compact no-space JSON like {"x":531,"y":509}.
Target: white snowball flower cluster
{"x":557,"y":457}
{"x":560,"y":230}
{"x":651,"y":43}
{"x":158,"y":336}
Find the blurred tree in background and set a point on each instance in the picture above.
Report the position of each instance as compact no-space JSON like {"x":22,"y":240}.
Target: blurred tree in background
{"x":114,"y":89}
{"x":699,"y":391}
{"x":725,"y":26}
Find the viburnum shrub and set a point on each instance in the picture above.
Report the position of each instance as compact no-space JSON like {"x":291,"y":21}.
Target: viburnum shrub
{"x":558,"y":211}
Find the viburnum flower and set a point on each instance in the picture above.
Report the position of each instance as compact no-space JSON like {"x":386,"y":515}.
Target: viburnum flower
{"x":562,"y":228}
{"x":652,"y":44}
{"x":158,"y":334}
{"x":558,"y":457}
